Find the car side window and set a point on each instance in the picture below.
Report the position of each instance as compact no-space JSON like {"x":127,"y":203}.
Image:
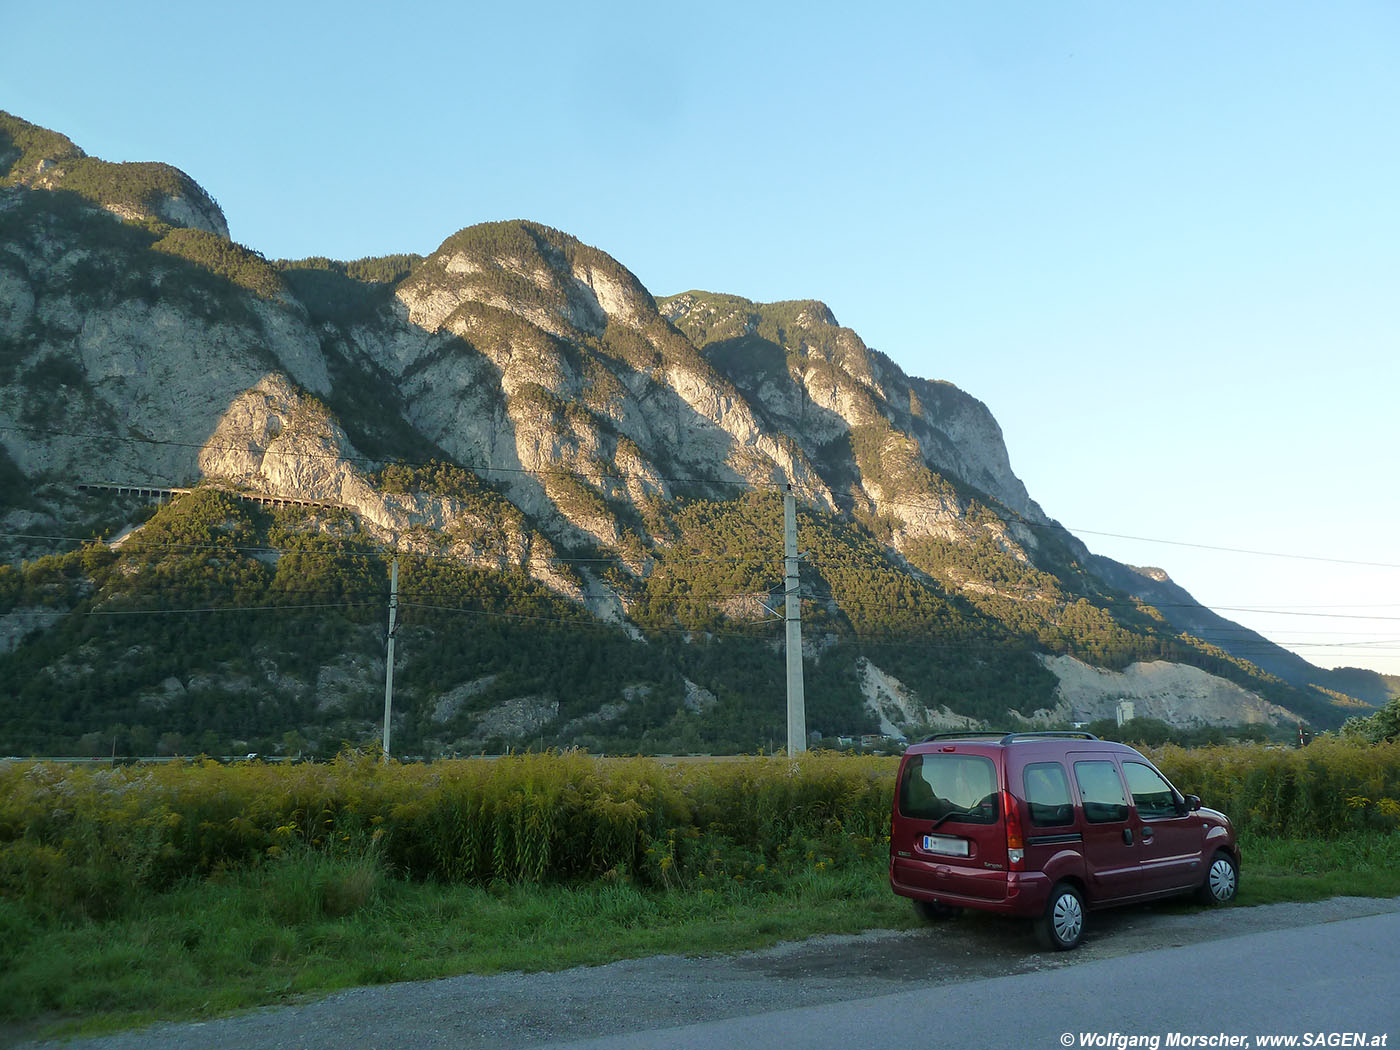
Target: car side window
{"x":1101,"y":788}
{"x":1152,"y":795}
{"x":1047,"y":794}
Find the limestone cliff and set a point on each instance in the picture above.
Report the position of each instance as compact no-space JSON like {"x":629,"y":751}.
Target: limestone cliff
{"x":518,"y":403}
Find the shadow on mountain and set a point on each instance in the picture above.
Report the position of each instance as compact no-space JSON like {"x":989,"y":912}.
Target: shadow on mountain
{"x":237,"y":616}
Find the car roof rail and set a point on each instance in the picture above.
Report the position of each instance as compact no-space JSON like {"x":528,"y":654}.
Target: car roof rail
{"x":965,"y":734}
{"x":1048,"y":734}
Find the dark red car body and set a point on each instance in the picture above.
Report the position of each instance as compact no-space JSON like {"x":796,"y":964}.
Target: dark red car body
{"x":1042,"y":825}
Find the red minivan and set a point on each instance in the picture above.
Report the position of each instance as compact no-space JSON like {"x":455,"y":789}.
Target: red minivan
{"x":1046,"y":826}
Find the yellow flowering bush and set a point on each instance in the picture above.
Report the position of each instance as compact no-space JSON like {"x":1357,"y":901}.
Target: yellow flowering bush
{"x":536,"y":817}
{"x":1330,"y":787}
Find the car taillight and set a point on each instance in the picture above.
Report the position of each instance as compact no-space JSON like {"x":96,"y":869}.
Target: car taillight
{"x":1015,"y":843}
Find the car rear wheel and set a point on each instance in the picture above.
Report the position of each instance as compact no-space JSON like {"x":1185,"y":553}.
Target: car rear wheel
{"x":933,"y":911}
{"x":1222,"y":880}
{"x":1062,"y":926}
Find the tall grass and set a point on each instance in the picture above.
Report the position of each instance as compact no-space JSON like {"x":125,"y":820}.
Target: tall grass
{"x":251,"y":938}
{"x":136,"y":892}
{"x":77,"y":841}
{"x":1329,"y":788}
{"x":81,"y":841}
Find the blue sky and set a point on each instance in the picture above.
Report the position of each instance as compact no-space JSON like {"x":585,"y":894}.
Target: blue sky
{"x":1161,"y":242}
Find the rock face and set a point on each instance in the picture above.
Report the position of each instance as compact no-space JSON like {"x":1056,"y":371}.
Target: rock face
{"x":534,"y":360}
{"x":540,"y":368}
{"x":820,"y":383}
{"x":895,"y":705}
{"x":1173,"y":693}
{"x":521,"y":350}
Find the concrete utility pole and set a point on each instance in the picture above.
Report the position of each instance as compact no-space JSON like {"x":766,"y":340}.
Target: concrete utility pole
{"x":389,"y":654}
{"x":796,"y":700}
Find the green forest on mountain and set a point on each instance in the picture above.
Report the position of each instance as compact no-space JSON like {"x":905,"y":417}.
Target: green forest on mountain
{"x":634,"y":611}
{"x":211,"y":630}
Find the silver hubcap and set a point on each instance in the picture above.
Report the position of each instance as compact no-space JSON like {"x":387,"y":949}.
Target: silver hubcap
{"x":1068,"y":918}
{"x":1222,"y":879}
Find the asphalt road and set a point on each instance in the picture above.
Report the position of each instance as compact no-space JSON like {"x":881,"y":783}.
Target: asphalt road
{"x":1335,"y":980}
{"x":1291,"y":969}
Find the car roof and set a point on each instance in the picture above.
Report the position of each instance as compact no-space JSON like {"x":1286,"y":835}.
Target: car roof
{"x":989,"y":741}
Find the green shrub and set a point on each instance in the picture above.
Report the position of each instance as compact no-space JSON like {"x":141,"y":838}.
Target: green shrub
{"x":531,"y":818}
{"x":79,"y":841}
{"x":1328,"y":788}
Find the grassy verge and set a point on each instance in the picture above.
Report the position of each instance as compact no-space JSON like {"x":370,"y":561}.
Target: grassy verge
{"x":1360,"y":864}
{"x":311,"y":924}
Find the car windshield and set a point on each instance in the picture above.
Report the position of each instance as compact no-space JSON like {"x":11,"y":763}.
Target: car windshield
{"x":949,"y":788}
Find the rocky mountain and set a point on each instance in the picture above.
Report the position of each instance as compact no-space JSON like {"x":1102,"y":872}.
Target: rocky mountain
{"x":209,"y":460}
{"x":37,"y":158}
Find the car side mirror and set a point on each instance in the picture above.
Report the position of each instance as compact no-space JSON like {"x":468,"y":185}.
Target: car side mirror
{"x":1193,"y":803}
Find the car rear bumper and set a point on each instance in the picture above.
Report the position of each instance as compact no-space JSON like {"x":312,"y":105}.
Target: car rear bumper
{"x":1004,"y":892}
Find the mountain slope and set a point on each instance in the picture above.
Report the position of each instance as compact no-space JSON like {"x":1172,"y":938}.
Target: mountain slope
{"x":157,"y":193}
{"x":580,"y":481}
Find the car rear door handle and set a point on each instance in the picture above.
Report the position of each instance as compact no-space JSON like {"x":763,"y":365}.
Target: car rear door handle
{"x":1127,"y":836}
{"x":1146,"y":834}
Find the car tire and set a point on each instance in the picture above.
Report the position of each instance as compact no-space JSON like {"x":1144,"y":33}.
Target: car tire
{"x":934,"y":911}
{"x":1222,"y":880}
{"x":1062,"y":926}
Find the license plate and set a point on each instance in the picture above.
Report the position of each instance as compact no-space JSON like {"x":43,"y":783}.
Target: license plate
{"x":945,"y":844}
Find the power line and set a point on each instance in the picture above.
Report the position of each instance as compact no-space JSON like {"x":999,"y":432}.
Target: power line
{"x":141,"y":439}
{"x":592,"y":625}
{"x":752,"y":632}
{"x":1068,"y":597}
{"x":478,"y":469}
{"x":417,"y":600}
{"x":1102,"y":598}
{"x":1233,"y":550}
{"x":1053,"y":526}
{"x":481,"y":470}
{"x":140,"y":543}
{"x":1376,"y":643}
{"x":1309,"y":615}
{"x":1064,"y":598}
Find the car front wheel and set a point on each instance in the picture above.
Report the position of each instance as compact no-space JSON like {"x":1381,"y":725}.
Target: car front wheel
{"x":1222,"y":880}
{"x":1062,"y":926}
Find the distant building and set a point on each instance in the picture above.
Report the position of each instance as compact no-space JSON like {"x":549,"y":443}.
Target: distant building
{"x":883,"y":742}
{"x":1125,"y":711}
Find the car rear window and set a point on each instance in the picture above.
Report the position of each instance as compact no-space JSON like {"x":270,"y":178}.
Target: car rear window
{"x":958,"y":789}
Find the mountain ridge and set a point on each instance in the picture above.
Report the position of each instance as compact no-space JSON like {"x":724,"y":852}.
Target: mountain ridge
{"x":517,"y":412}
{"x":144,"y":191}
